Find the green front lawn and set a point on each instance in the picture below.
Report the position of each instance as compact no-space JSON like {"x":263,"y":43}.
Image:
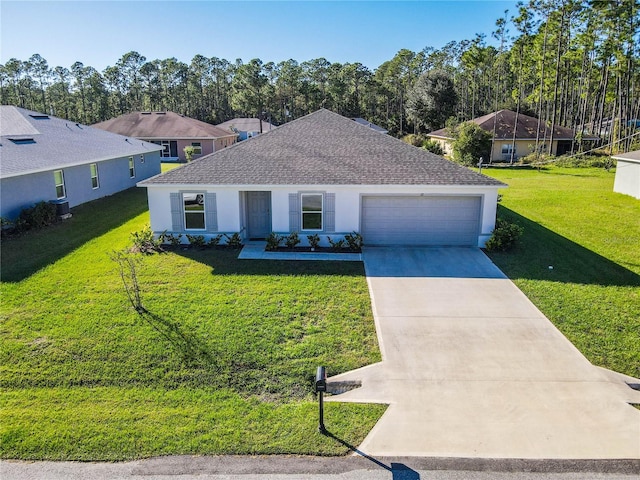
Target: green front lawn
{"x":222,"y":363}
{"x":591,"y":237}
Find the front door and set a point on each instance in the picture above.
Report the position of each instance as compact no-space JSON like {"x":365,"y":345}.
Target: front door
{"x":173,"y":148}
{"x":259,"y":209}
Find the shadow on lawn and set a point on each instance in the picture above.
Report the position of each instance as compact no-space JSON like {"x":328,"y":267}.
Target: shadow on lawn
{"x":540,"y":248}
{"x":24,"y":255}
{"x":188,"y":345}
{"x":226,"y":262}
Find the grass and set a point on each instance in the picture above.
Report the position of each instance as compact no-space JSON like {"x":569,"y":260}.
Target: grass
{"x":590,"y":235}
{"x":223,"y":362}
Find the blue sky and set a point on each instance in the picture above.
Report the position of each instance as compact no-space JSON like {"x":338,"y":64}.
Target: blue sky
{"x":98,"y":33}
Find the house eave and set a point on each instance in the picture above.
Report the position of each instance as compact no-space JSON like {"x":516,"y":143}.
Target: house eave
{"x":251,"y":187}
{"x":51,"y":168}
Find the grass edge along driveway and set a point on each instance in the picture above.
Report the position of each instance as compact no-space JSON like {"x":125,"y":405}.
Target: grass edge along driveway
{"x":224,"y":365}
{"x":578,"y":258}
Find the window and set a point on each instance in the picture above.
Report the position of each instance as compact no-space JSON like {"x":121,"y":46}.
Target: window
{"x":311,"y":211}
{"x":132,"y":168}
{"x":58,"y":177}
{"x":193,"y":211}
{"x":506,"y":148}
{"x":94,"y":176}
{"x":197,"y":148}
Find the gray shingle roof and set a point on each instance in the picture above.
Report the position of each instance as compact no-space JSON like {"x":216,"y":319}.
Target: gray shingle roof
{"x":377,"y":128}
{"x":630,"y":156}
{"x":504,"y":122}
{"x":322,"y":148}
{"x":162,"y":125}
{"x":247,"y":125}
{"x":57,"y":143}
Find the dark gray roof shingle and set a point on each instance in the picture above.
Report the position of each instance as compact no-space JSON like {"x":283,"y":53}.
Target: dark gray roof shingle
{"x":322,"y":148}
{"x":57,"y":143}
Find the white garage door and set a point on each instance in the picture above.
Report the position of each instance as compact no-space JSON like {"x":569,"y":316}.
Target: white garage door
{"x":421,"y":220}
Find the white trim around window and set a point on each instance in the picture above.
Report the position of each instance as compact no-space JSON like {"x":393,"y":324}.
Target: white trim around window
{"x":312,"y":212}
{"x":95,"y":182}
{"x":132,"y":168}
{"x":197,"y":148}
{"x":58,"y":178}
{"x":193,"y":206}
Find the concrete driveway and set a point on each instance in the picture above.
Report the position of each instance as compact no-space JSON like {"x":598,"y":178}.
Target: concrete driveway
{"x":471,"y":368}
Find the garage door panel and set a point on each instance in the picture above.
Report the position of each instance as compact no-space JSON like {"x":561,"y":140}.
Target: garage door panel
{"x":420,"y":220}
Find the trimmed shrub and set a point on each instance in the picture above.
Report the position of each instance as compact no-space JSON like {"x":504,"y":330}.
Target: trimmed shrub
{"x":273,"y":241}
{"x":41,"y":215}
{"x":197,"y":240}
{"x":314,"y":240}
{"x":292,"y":240}
{"x":354,"y":241}
{"x":337,"y":245}
{"x":504,"y":236}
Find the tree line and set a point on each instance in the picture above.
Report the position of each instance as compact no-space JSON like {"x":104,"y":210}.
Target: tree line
{"x":567,"y":62}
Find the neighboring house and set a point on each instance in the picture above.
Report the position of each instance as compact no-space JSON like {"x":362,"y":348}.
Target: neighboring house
{"x":526,"y":132}
{"x":326,"y":174}
{"x":247,"y":127}
{"x":366,"y":123}
{"x":44,"y":158}
{"x":627,"y":179}
{"x":173,"y":132}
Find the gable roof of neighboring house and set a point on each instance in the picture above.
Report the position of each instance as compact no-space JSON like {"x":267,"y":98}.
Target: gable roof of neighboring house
{"x":247,"y":125}
{"x":34,"y":142}
{"x":504,"y":120}
{"x":633,"y":157}
{"x":366,"y":123}
{"x":322,"y":148}
{"x":162,"y":126}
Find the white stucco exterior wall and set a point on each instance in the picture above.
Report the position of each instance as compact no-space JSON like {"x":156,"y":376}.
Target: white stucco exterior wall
{"x":348,"y":199}
{"x":627,"y":178}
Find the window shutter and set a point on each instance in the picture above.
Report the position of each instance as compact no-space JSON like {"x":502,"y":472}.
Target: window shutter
{"x":294,"y":212}
{"x":212,"y":212}
{"x":330,"y":212}
{"x":177,"y":218}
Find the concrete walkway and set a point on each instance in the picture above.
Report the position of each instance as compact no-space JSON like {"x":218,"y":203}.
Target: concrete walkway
{"x":471,"y":368}
{"x":256,"y":251}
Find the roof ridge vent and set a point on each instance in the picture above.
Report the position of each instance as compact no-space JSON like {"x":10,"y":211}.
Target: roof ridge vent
{"x":39,"y":116}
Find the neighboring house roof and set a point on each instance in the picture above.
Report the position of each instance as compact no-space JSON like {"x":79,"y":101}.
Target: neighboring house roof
{"x":34,"y":142}
{"x":322,"y":148}
{"x":366,"y":123}
{"x":162,"y":125}
{"x":247,"y":125}
{"x":629,"y":156}
{"x":505,"y":120}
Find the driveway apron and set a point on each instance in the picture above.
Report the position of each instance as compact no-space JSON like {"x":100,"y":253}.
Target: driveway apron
{"x":471,"y":368}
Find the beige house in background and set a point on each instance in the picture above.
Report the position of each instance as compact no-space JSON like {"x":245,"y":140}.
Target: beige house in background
{"x":172,"y":131}
{"x":526,"y":132}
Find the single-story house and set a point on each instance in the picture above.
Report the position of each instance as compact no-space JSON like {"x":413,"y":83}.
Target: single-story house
{"x":247,"y":127}
{"x":173,"y":132}
{"x":526,"y":132}
{"x":328,"y":175}
{"x":375,"y":127}
{"x":627,"y":179}
{"x":45,"y":158}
